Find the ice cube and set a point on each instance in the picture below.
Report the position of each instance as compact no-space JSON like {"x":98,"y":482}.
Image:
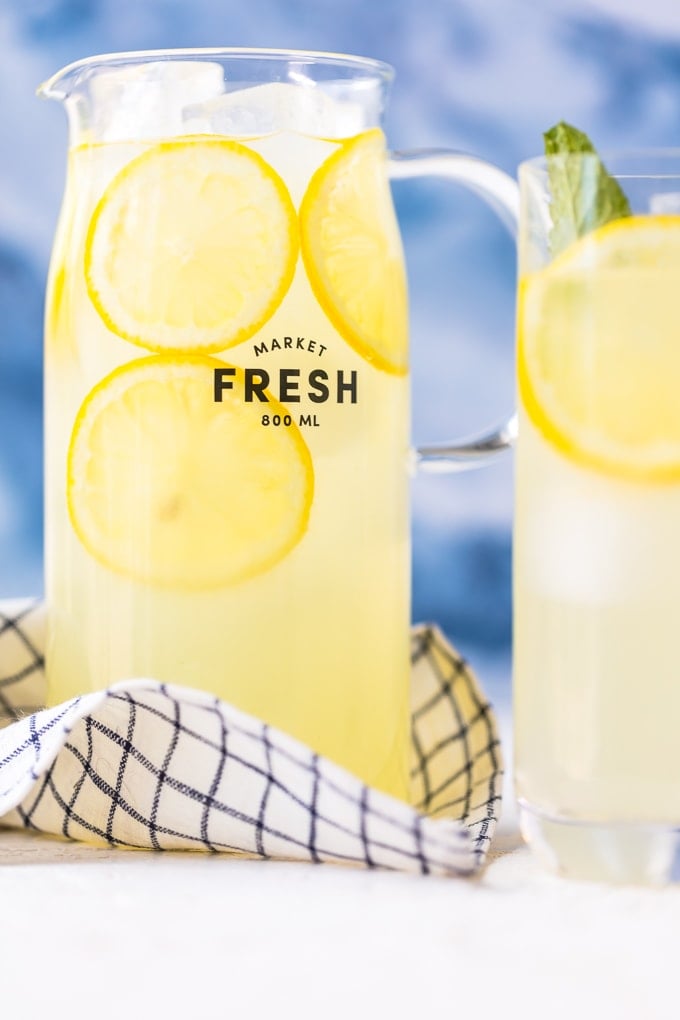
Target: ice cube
{"x":595,"y":540}
{"x":666,"y":203}
{"x":147,"y":100}
{"x":277,"y":106}
{"x":576,"y":547}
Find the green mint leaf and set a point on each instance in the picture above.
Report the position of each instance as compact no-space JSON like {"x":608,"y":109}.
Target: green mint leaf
{"x":583,"y":195}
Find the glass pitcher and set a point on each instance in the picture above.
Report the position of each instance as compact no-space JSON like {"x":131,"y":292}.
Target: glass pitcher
{"x":227,"y":392}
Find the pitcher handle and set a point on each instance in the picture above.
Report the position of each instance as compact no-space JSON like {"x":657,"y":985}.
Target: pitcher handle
{"x":501,"y":192}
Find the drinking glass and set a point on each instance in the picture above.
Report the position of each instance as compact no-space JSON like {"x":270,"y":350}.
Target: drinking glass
{"x":596,"y":552}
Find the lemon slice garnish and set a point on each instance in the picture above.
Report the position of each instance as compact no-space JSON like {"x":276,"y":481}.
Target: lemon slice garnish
{"x":352,"y":252}
{"x":192,"y":247}
{"x":170,"y":488}
{"x":599,"y":350}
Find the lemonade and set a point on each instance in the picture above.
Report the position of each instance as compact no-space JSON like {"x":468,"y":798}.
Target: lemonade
{"x":597,"y":557}
{"x":227,"y":432}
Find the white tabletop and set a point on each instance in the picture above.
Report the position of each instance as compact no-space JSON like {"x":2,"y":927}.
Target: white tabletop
{"x":90,"y":932}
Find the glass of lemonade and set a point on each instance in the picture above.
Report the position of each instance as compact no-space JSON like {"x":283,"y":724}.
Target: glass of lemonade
{"x":597,"y":556}
{"x":227,"y":392}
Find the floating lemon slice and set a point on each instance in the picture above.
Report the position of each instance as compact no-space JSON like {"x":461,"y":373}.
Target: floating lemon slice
{"x":352,"y":252}
{"x":170,"y":488}
{"x":598,"y":350}
{"x":192,"y":246}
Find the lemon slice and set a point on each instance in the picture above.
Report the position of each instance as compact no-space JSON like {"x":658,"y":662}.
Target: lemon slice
{"x":598,"y":350}
{"x":352,"y":252}
{"x":192,"y":247}
{"x":170,"y":488}
{"x":58,"y":332}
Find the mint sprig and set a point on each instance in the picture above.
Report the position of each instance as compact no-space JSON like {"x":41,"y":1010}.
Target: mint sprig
{"x":584,"y":195}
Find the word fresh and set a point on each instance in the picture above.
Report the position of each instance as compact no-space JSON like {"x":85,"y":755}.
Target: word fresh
{"x":256,"y":385}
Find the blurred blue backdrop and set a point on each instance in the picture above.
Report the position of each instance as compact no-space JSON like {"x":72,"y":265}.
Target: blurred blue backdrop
{"x":486,"y":76}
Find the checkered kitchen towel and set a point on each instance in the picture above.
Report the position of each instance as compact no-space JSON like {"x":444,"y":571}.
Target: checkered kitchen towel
{"x":145,"y":764}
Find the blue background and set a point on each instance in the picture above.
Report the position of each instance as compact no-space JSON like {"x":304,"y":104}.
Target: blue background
{"x":486,"y":76}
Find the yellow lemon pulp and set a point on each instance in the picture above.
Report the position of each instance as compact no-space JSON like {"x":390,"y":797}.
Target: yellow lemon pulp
{"x":192,"y":246}
{"x":352,"y":252}
{"x":57,"y":310}
{"x":599,"y":349}
{"x":168,"y":487}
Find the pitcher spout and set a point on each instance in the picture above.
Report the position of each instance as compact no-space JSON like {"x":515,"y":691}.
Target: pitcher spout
{"x":59,"y":85}
{"x":66,"y":82}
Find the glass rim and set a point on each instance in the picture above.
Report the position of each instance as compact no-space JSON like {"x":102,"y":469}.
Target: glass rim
{"x":378,"y":69}
{"x":653,"y":158}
